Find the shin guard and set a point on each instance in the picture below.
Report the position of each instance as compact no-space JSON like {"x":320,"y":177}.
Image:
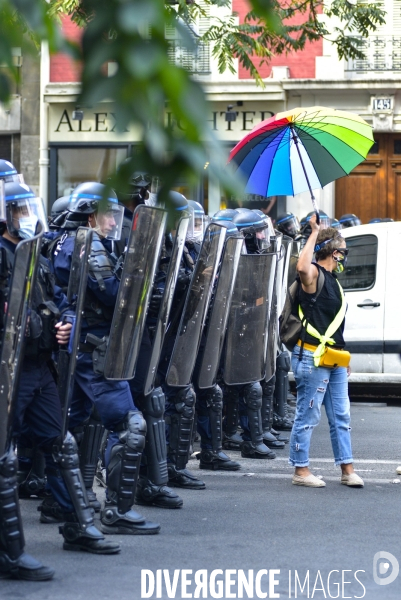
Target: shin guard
{"x":181,"y":424}
{"x":155,"y":453}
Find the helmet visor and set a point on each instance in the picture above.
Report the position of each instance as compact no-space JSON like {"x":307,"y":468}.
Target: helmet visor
{"x":325,"y":222}
{"x":22,"y":216}
{"x":289,"y":226}
{"x":196,"y":225}
{"x":109,"y":221}
{"x":2,"y":202}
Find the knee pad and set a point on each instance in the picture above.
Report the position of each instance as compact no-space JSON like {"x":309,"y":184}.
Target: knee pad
{"x":253,"y":395}
{"x":184,"y":401}
{"x":283,"y":362}
{"x":214,"y":399}
{"x":154,"y":404}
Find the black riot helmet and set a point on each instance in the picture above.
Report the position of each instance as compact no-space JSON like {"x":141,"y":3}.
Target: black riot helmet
{"x":93,"y":197}
{"x":324,"y":218}
{"x":59,"y":212}
{"x":140,"y":180}
{"x":288,"y":224}
{"x":225,"y":214}
{"x":59,"y":206}
{"x":350,"y":220}
{"x":255,"y":230}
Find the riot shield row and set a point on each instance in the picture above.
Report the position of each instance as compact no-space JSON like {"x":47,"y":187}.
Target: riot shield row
{"x":234,"y":299}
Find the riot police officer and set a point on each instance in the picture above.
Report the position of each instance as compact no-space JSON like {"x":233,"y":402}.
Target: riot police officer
{"x":180,"y":402}
{"x":244,"y":402}
{"x":38,"y":404}
{"x":112,"y":399}
{"x":288,"y":224}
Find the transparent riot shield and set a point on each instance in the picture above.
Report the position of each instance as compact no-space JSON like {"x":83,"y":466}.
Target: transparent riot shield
{"x":139,"y":269}
{"x":16,"y":321}
{"x":287,"y":250}
{"x":246,"y":340}
{"x":292,"y":268}
{"x":166,"y":303}
{"x":219,"y":313}
{"x":187,"y":342}
{"x":272,"y":328}
{"x":77,"y":284}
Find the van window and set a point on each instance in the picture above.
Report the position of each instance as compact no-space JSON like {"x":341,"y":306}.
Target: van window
{"x":360,"y":272}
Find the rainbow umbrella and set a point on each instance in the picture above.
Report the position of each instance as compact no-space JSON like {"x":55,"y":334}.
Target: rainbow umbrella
{"x":301,"y":149}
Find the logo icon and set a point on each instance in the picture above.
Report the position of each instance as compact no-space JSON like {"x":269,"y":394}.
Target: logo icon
{"x":381,"y":566}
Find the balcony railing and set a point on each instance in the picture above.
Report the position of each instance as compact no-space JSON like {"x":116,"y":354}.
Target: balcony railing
{"x":195,"y":61}
{"x":382,"y":52}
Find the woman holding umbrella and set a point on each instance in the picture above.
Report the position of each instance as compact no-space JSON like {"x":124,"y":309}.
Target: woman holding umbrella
{"x":319,"y":380}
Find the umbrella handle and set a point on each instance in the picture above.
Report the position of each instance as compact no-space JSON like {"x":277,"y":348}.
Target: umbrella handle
{"x":315,"y":208}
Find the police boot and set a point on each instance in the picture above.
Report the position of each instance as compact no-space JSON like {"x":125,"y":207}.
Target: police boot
{"x":79,"y":531}
{"x":152,"y":487}
{"x":89,"y":439}
{"x":14,"y":562}
{"x":50,"y":510}
{"x":255,"y":448}
{"x":269,"y":439}
{"x":231,"y":438}
{"x":181,"y":424}
{"x":31,"y":472}
{"x":215,"y":459}
{"x":280,"y":419}
{"x":117,"y":515}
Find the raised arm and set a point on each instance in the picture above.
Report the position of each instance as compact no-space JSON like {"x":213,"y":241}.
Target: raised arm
{"x":307,"y":271}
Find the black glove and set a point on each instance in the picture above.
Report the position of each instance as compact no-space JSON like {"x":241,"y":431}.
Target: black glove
{"x":154,"y":303}
{"x":183,"y":280}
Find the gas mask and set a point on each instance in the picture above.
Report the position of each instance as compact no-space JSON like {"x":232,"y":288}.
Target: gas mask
{"x":27,"y":227}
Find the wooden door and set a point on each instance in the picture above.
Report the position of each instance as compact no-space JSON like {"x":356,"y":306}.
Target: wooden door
{"x":373,"y":189}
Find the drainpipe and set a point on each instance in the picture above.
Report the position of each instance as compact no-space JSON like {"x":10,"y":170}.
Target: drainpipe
{"x":44,"y":115}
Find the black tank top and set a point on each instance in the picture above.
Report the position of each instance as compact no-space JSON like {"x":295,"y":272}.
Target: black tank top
{"x":326,"y":307}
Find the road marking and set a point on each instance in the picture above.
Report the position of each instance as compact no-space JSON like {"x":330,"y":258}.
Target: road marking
{"x":366,"y":461}
{"x":284,"y":476}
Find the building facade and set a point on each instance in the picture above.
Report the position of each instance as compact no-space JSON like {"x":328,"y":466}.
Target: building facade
{"x":41,"y":134}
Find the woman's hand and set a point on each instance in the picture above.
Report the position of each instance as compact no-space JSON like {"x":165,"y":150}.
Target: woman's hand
{"x":314,"y":226}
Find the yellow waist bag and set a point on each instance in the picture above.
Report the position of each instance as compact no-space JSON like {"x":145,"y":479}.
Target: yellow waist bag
{"x":325,"y":356}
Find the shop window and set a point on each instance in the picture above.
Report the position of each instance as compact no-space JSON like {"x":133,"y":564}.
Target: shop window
{"x":360,"y":272}
{"x":397,"y":146}
{"x":76,"y":165}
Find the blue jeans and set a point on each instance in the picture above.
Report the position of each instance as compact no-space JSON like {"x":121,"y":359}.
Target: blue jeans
{"x":317,"y":386}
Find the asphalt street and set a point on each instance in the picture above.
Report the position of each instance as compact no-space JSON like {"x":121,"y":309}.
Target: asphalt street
{"x":253,"y":519}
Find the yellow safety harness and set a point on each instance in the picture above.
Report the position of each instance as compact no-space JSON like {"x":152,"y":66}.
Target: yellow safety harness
{"x":332,"y":328}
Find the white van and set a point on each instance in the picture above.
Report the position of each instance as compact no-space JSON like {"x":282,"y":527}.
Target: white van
{"x":372,"y":285}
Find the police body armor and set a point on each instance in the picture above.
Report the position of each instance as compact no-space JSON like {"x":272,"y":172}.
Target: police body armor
{"x":19,"y":298}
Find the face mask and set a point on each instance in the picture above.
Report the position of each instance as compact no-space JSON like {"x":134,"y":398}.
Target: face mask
{"x":197,"y":236}
{"x":341,"y":263}
{"x":152,"y":200}
{"x":27,"y":227}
